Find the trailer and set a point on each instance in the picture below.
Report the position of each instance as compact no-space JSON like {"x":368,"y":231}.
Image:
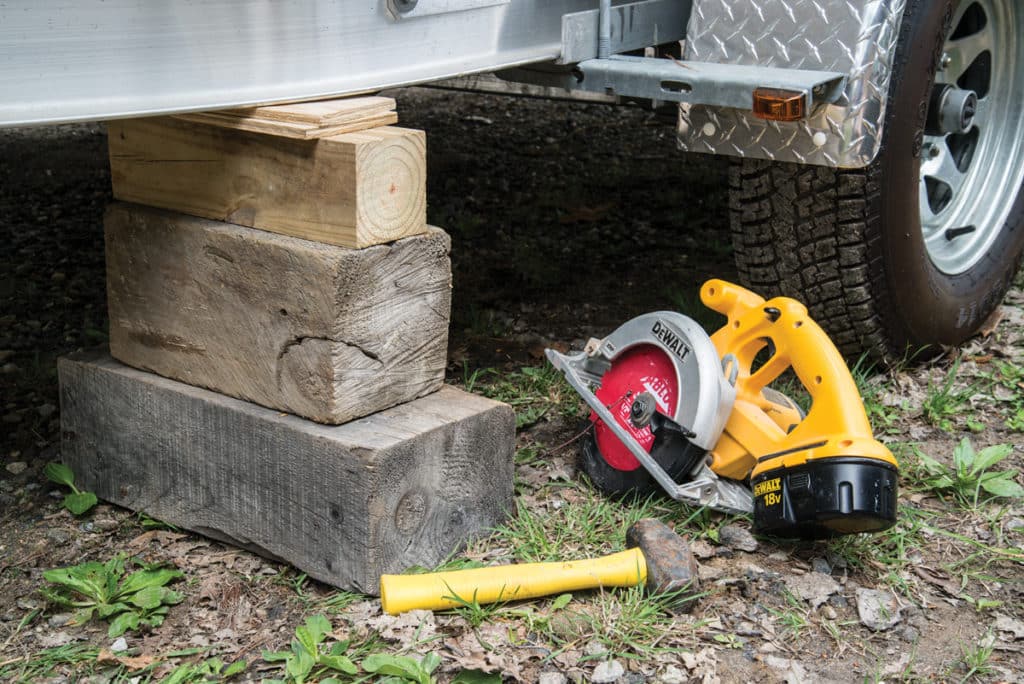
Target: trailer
{"x":878,"y":146}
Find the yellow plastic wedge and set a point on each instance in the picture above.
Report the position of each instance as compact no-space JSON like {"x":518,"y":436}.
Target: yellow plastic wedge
{"x":441,"y":590}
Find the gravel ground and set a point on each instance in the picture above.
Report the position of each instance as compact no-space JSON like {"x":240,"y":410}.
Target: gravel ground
{"x":566,"y":220}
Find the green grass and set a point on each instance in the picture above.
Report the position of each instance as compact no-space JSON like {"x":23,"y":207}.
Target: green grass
{"x":532,"y":391}
{"x":1010,"y":378}
{"x":793,"y":617}
{"x":886,"y":553}
{"x":944,"y":401}
{"x":631,"y":623}
{"x":972,"y":478}
{"x":975,"y":658}
{"x":872,"y":386}
{"x":48,"y":662}
{"x":589,"y":525}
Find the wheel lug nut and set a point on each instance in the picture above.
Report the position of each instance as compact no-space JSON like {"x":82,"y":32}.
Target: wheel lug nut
{"x":945,"y":61}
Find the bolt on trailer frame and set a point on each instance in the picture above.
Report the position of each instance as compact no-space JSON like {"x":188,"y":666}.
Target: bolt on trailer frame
{"x":105,"y":59}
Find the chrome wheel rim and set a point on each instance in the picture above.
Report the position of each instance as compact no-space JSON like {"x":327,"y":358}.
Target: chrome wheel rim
{"x":968,"y":181}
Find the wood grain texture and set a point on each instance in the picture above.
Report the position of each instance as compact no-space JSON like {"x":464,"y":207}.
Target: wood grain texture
{"x":344,"y":504}
{"x":286,"y":129}
{"x":353,"y":190}
{"x":324,"y":332}
{"x":320,"y":112}
{"x":304,"y":120}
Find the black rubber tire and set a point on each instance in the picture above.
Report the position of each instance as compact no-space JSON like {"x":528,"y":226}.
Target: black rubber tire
{"x":848,"y":243}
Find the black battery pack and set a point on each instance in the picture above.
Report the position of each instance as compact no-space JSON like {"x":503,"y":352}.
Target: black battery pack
{"x":825,"y":498}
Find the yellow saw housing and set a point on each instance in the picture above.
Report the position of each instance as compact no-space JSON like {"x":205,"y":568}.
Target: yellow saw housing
{"x":815,"y":474}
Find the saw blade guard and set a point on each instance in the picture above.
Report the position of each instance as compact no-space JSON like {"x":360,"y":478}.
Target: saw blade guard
{"x":689,"y":362}
{"x":702,"y":391}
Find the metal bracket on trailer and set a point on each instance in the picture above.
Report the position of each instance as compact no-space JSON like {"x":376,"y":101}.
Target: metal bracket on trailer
{"x":632,"y":26}
{"x":704,"y":83}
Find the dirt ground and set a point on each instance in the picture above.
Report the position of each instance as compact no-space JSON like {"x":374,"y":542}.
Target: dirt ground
{"x":566,"y":220}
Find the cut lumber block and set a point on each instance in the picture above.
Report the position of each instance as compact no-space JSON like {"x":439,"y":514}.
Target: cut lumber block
{"x":304,"y":120}
{"x":344,"y":504}
{"x":353,"y":190}
{"x":324,"y":332}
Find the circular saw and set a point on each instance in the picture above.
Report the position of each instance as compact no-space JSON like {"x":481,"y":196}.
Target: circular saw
{"x":693,"y":414}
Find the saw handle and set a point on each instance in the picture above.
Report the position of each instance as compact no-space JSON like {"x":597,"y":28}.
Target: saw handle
{"x":443,"y":590}
{"x":762,"y":435}
{"x":798,"y":342}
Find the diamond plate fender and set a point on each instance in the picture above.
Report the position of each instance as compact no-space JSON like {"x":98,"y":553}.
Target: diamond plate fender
{"x":849,"y":36}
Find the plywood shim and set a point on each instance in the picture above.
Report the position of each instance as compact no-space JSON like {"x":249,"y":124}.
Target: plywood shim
{"x":304,"y":120}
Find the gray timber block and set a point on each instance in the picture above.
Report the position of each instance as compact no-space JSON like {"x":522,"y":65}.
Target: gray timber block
{"x":325,"y":332}
{"x":344,"y":504}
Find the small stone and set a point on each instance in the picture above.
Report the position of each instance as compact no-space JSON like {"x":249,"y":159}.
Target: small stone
{"x":8,"y":369}
{"x":813,"y":587}
{"x":26,"y":603}
{"x":709,"y":573}
{"x":54,"y":640}
{"x":821,"y":565}
{"x":607,"y":672}
{"x":738,"y":538}
{"x":877,"y":609}
{"x":12,"y":418}
{"x":909,"y":634}
{"x":552,"y":678}
{"x":59,"y":620}
{"x":17,"y":468}
{"x":790,"y":671}
{"x":105,"y":524}
{"x":701,"y":549}
{"x":1005,"y":623}
{"x":120,"y":644}
{"x":595,"y":648}
{"x":829,"y":613}
{"x":836,"y":561}
{"x":46,"y":410}
{"x":1015,"y":525}
{"x":672,"y":675}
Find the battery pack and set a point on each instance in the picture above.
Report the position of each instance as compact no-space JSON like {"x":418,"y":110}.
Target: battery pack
{"x":825,"y":498}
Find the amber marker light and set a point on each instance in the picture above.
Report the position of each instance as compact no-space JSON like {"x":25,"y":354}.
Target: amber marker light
{"x":776,"y":104}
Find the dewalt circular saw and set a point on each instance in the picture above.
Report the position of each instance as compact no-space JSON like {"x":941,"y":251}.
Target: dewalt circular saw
{"x":693,"y":414}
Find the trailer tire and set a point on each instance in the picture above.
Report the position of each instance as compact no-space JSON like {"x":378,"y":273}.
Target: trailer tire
{"x":867,"y":249}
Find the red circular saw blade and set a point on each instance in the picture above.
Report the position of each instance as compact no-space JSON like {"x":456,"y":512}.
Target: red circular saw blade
{"x":644,"y":368}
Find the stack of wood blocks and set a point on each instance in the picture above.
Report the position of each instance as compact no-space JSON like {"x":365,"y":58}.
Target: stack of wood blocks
{"x":279,"y":314}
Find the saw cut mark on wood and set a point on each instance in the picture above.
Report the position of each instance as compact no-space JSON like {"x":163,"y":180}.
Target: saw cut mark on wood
{"x":304,"y":120}
{"x":352,"y":190}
